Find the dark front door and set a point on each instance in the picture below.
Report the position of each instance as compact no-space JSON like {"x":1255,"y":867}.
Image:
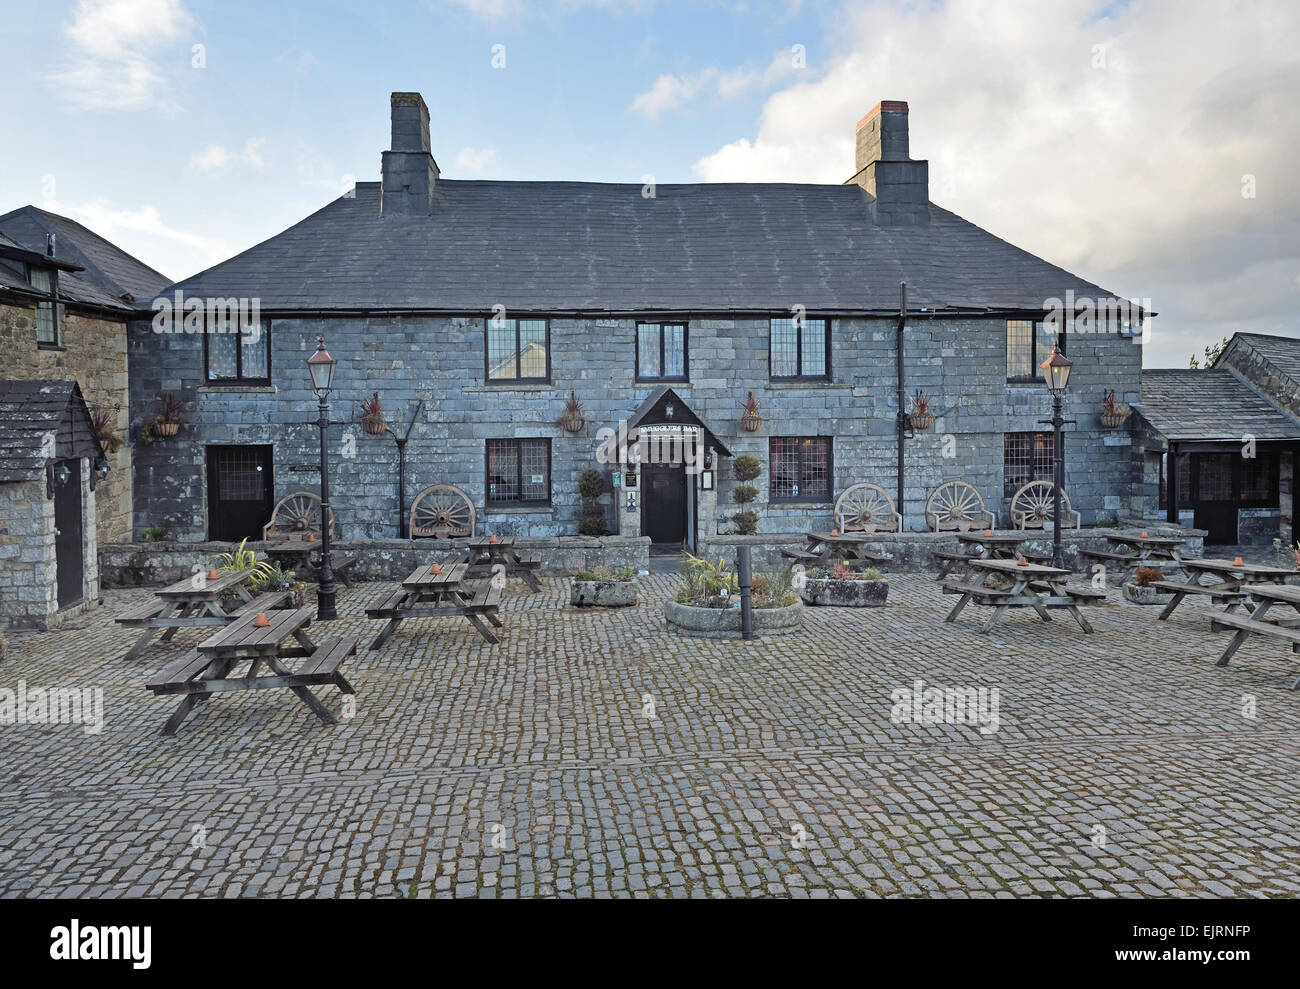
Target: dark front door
{"x":1215,"y":483}
{"x":664,"y":491}
{"x":69,"y":548}
{"x":240,"y":492}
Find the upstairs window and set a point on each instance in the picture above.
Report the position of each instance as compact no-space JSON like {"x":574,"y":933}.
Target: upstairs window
{"x":661,"y":352}
{"x":800,"y":468}
{"x":1028,"y":345}
{"x":47,"y":315}
{"x":800,"y":348}
{"x":518,"y":350}
{"x":1026,"y":457}
{"x":232,"y":355}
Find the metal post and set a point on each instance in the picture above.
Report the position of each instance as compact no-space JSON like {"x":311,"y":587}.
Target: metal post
{"x":403,"y":520}
{"x":1058,"y":481}
{"x":746,"y":580}
{"x":325,"y":607}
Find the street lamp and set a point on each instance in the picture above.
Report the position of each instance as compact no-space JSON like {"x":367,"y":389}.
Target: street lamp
{"x":1056,"y":375}
{"x":321,"y":367}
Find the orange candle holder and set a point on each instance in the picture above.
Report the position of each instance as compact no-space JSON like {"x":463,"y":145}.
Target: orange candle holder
{"x":311,"y":537}
{"x":435,"y":569}
{"x":1237,"y":561}
{"x":493,"y":538}
{"x":212,"y":574}
{"x":1022,"y":562}
{"x":1145,"y":534}
{"x":988,"y":532}
{"x":835,"y":532}
{"x":261,"y":621}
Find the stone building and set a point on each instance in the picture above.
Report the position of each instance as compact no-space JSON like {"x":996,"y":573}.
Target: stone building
{"x":474,"y":308}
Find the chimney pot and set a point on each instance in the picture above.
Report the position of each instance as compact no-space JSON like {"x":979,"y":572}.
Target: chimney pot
{"x":885,"y":169}
{"x":410,"y":175}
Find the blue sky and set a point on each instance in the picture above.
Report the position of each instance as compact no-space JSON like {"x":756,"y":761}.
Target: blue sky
{"x":1113,"y":139}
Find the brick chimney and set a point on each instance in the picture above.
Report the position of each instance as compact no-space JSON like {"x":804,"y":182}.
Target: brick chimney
{"x":900,"y":185}
{"x":410,"y":174}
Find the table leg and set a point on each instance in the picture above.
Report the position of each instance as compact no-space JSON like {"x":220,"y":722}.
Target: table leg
{"x":483,"y":630}
{"x":142,"y":642}
{"x":530,"y":580}
{"x":1239,"y":639}
{"x":1173,"y":603}
{"x":998,"y":612}
{"x":303,"y":694}
{"x":182,"y":611}
{"x":182,"y":712}
{"x":1078,"y":617}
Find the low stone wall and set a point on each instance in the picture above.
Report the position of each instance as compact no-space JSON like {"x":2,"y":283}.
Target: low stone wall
{"x":912,"y":550}
{"x":152,"y":564}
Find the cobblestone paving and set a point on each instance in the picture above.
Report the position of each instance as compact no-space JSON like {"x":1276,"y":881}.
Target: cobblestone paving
{"x":1124,"y":764}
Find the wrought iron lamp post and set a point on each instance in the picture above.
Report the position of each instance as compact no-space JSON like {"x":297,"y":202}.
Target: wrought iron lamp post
{"x":321,"y":367}
{"x":1056,"y":374}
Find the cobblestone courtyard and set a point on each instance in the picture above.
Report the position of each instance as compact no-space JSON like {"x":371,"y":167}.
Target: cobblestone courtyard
{"x":1125,"y":763}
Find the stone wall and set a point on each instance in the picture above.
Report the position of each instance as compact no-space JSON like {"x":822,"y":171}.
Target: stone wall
{"x":961,"y":363}
{"x":155,"y":564}
{"x":94,"y":353}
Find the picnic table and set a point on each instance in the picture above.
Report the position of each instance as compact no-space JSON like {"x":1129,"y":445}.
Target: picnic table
{"x":1233,"y":578}
{"x":302,"y":554}
{"x":499,"y":557}
{"x":1263,"y":597}
{"x":1134,"y":550}
{"x":426,"y":594}
{"x":1033,"y":585}
{"x":193,"y":602}
{"x":826,"y":548}
{"x":207,"y":669}
{"x":985,"y":546}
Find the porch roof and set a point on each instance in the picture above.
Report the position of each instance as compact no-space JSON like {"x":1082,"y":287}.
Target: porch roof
{"x":31,"y":409}
{"x":1211,"y":406}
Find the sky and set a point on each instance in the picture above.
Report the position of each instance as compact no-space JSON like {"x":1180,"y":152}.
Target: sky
{"x":1149,"y":147}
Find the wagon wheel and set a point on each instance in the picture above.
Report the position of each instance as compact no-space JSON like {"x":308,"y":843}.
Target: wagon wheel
{"x":866,"y":507}
{"x":954,"y":505}
{"x":297,"y":514}
{"x":442,"y":511}
{"x":1033,"y":504}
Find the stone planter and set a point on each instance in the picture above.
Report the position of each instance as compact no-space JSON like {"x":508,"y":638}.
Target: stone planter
{"x":724,"y":623}
{"x":1139,"y":594}
{"x":602,"y":593}
{"x":845,"y":593}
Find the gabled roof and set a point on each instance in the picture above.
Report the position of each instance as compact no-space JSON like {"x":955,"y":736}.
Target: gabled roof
{"x":1210,"y":406}
{"x":593,"y":247}
{"x":29,"y":410}
{"x":1283,"y":353}
{"x":109,"y":272}
{"x":654,"y":411}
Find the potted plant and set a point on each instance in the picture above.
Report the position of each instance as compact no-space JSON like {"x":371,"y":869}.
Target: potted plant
{"x":372,"y":416}
{"x":274,"y":578}
{"x":574,"y":417}
{"x":745,"y":469}
{"x":156,"y":534}
{"x":170,"y":417}
{"x":1139,"y":589}
{"x":604,"y":587}
{"x":920,"y":418}
{"x":707,"y":602}
{"x":750,"y":420}
{"x":591,"y":485}
{"x":842,"y":587}
{"x":240,"y":559}
{"x":102,"y":421}
{"x":1112,"y":415}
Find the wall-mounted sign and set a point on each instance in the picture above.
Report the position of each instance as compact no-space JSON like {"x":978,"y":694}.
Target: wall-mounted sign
{"x":706,"y":480}
{"x":306,"y":468}
{"x":629,"y":480}
{"x":618,"y":478}
{"x":538,"y":479}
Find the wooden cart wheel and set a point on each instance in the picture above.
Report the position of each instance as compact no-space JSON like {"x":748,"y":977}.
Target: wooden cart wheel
{"x":865,"y":507}
{"x":296,"y":514}
{"x":954,"y":505}
{"x":1031,"y":506}
{"x":442,"y":511}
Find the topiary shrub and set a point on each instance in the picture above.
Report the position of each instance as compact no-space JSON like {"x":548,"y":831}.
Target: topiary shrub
{"x":745,"y":468}
{"x":591,"y":485}
{"x":746,"y":522}
{"x":744,"y":494}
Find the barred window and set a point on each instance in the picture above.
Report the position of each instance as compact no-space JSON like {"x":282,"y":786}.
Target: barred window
{"x":1259,"y":480}
{"x":519,"y":472}
{"x":518,"y":350}
{"x":47,"y":329}
{"x":1028,"y":345}
{"x":237,"y":353}
{"x":1026,"y":457}
{"x":800,"y":468}
{"x":799,"y":348}
{"x":661,"y":351}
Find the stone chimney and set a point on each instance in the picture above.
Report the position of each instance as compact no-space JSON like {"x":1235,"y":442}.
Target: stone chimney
{"x":410,"y":174}
{"x":901,"y":186}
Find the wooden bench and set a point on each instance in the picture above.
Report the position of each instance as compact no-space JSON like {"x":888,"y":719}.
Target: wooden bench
{"x":1217,"y":594}
{"x":342,"y":564}
{"x":322,"y":666}
{"x":263,"y":602}
{"x":387,"y":604}
{"x":486,"y":597}
{"x":1101,"y":554}
{"x":1080,"y":593}
{"x":528,"y":558}
{"x":173,"y":677}
{"x":802,"y":556}
{"x":974,"y":590}
{"x":947,"y":561}
{"x":142,"y":614}
{"x":1249,"y":626}
{"x":1033,"y":556}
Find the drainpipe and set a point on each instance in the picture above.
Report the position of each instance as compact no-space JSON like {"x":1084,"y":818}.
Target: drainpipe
{"x":902,"y":388}
{"x":403,"y":518}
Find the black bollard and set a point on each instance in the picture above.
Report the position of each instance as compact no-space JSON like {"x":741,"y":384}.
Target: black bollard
{"x":746,"y":579}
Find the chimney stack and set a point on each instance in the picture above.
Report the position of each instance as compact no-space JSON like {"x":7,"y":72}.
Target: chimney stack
{"x":410,"y":174}
{"x":900,"y":185}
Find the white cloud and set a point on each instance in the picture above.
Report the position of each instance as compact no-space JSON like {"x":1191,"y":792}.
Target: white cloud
{"x":110,"y":64}
{"x":214,"y":157}
{"x":670,"y":92}
{"x":476,"y":162}
{"x":1128,"y":174}
{"x":498,"y":10}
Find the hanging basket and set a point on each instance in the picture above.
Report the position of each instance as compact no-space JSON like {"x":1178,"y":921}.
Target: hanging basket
{"x":166,"y":428}
{"x":750,"y":423}
{"x":573,"y":424}
{"x":374,"y":425}
{"x":920,"y":421}
{"x":1111,"y":420}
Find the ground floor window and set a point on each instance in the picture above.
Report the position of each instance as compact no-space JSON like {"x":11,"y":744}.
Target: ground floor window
{"x":800,"y":468}
{"x":1025,"y":457}
{"x":519,"y":472}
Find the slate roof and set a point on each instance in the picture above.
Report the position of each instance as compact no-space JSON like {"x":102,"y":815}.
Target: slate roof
{"x":29,"y":410}
{"x":1210,"y":406}
{"x":1282,"y":352}
{"x":594,"y":247}
{"x":109,"y":270}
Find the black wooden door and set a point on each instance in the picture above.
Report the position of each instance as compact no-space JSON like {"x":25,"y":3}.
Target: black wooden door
{"x":1215,"y":483}
{"x":240,"y":492}
{"x":664,"y":491}
{"x":69,"y":544}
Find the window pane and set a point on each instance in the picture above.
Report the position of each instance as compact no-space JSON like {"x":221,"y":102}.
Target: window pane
{"x":813,"y":346}
{"x":221,"y":353}
{"x":647,"y":343}
{"x":44,"y":310}
{"x":814,"y":467}
{"x":784,"y":344}
{"x":532,"y":348}
{"x":1020,"y":349}
{"x":536,"y":485}
{"x":503,"y":470}
{"x":1259,"y":478}
{"x":501,"y":348}
{"x":1025,"y":457}
{"x":1046,"y":337}
{"x":675,"y":351}
{"x":254,"y":343}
